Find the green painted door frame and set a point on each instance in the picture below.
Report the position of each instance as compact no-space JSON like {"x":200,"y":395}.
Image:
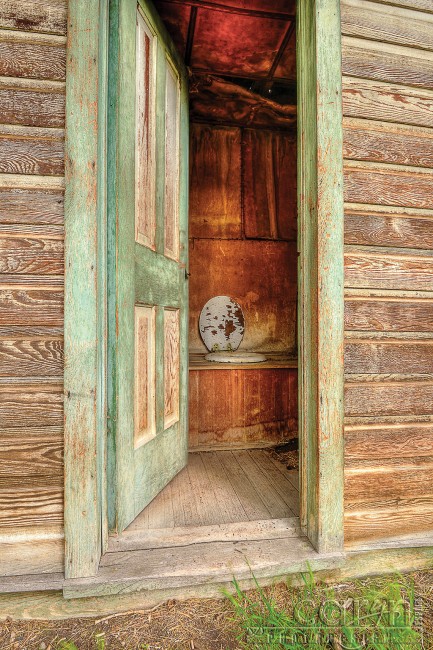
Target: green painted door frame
{"x":85,"y":287}
{"x":320,"y":272}
{"x":321,"y":300}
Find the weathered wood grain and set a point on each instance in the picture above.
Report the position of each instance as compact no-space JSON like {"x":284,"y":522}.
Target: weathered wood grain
{"x":388,"y":268}
{"x":31,"y":306}
{"x":387,"y":24}
{"x":30,"y":56}
{"x":32,"y":230}
{"x":269,"y":185}
{"x":384,"y":142}
{"x":215,"y":186}
{"x":31,"y":506}
{"x":27,"y":206}
{"x":33,"y":550}
{"x":32,"y":102}
{"x":31,"y":405}
{"x":390,"y":356}
{"x":321,"y":225}
{"x":389,"y":63}
{"x":171,"y":366}
{"x":389,"y":479}
{"x":25,"y":458}
{"x":34,"y":16}
{"x":139,"y":538}
{"x":30,"y":150}
{"x":366,"y":182}
{"x":375,"y":442}
{"x":388,"y":227}
{"x":388,"y":102}
{"x":42,"y":256}
{"x":417,"y":5}
{"x":388,"y":314}
{"x":364,"y":522}
{"x":388,"y":398}
{"x":144,"y":370}
{"x":31,"y":358}
{"x":259,"y":406}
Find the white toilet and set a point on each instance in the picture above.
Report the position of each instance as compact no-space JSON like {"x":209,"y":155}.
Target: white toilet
{"x":222,"y":327}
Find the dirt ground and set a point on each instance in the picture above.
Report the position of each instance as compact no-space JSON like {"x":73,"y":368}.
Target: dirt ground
{"x":191,"y":625}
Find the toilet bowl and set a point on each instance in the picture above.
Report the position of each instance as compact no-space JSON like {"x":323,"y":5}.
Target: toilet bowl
{"x":222,"y":327}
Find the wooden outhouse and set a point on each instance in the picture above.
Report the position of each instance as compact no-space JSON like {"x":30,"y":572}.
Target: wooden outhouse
{"x":154,"y":157}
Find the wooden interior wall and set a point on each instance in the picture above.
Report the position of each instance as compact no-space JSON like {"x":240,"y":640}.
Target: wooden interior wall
{"x":388,"y":149}
{"x":243,"y":244}
{"x":32,"y":109}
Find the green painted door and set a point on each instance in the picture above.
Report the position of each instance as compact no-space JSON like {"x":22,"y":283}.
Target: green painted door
{"x":147,"y":260}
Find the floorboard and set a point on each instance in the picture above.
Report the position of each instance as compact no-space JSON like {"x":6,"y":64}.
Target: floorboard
{"x":224,"y":487}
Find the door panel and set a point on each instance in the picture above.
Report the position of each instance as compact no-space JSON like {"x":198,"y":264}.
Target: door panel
{"x":147,"y":256}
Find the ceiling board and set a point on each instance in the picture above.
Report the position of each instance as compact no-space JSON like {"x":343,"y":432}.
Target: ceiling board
{"x":176,"y":19}
{"x":234,"y":43}
{"x":287,"y":66}
{"x":284,"y":9}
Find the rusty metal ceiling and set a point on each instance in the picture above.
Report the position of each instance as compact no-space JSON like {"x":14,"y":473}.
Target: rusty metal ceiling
{"x":249,"y":39}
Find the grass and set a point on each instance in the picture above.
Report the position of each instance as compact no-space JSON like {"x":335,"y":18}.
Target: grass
{"x":370,"y":616}
{"x":271,"y":618}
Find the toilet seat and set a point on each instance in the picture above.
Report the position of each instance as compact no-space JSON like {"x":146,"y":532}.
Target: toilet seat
{"x":222,"y":327}
{"x":235,"y":357}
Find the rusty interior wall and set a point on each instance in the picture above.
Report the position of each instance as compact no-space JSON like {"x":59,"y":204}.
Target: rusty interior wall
{"x":243,"y":244}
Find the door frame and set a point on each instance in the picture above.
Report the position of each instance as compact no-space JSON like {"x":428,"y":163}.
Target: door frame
{"x":320,"y":273}
{"x":320,"y":280}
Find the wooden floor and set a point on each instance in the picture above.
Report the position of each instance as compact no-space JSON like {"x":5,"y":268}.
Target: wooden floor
{"x":224,"y":487}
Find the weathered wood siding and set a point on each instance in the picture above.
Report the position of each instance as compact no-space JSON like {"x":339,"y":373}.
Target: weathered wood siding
{"x":243,"y":244}
{"x":388,"y":148}
{"x":32,"y":109}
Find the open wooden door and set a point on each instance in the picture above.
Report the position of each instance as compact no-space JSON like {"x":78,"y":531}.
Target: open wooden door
{"x":147,"y":261}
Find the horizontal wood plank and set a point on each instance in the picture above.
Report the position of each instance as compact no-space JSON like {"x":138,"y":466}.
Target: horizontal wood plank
{"x":417,"y":5}
{"x":25,"y":458}
{"x":388,"y":356}
{"x":387,"y":185}
{"x":377,"y":100}
{"x":31,"y":405}
{"x":31,"y":357}
{"x":370,"y":522}
{"x":370,"y":227}
{"x":388,"y":479}
{"x":30,"y":506}
{"x":388,"y":398}
{"x":34,"y":16}
{"x":31,"y":306}
{"x":388,"y":63}
{"x":385,"y":142}
{"x":34,"y":550}
{"x":387,"y":24}
{"x":27,"y":206}
{"x":40,"y":256}
{"x":388,"y":268}
{"x":23,"y":58}
{"x":375,"y":442}
{"x":32,"y":104}
{"x":30,"y":150}
{"x":387,"y":314}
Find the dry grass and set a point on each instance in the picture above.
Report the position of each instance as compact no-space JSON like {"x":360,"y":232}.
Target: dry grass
{"x":191,"y":625}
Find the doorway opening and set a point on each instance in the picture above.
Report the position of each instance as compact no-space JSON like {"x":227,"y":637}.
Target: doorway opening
{"x":243,"y":417}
